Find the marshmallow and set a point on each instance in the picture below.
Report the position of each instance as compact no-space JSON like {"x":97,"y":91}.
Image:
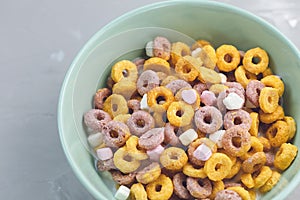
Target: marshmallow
{"x":203,"y":152}
{"x":95,"y":139}
{"x":122,"y":193}
{"x":196,"y":53}
{"x":149,"y":49}
{"x":144,"y":103}
{"x":189,"y":96}
{"x":223,"y":78}
{"x":208,"y":98}
{"x":233,"y":101}
{"x":154,"y":154}
{"x":188,"y":136}
{"x":104,"y":153}
{"x":216,"y":137}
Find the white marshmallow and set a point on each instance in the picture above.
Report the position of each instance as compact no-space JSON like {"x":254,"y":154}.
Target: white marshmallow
{"x":188,"y":136}
{"x":196,"y":52}
{"x":95,"y":139}
{"x":104,"y":153}
{"x":233,"y":101}
{"x":203,"y":152}
{"x":122,"y":193}
{"x":149,"y":49}
{"x":223,"y":78}
{"x":216,"y":137}
{"x":144,"y":103}
{"x":189,"y":96}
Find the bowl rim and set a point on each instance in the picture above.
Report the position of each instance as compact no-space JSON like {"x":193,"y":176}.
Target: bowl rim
{"x":76,"y":170}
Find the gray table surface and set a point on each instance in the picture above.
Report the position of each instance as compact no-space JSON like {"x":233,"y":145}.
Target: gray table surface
{"x":38,"y":40}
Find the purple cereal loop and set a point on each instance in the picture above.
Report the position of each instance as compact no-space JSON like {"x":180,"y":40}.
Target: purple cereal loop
{"x":147,"y":81}
{"x":179,"y":187}
{"x":253,"y":91}
{"x":237,"y":118}
{"x":105,"y":165}
{"x":122,"y":179}
{"x":161,"y":47}
{"x":96,"y":119}
{"x":115,"y":134}
{"x":235,"y":85}
{"x":100,"y":97}
{"x":227,"y":195}
{"x":176,"y":85}
{"x":140,"y":122}
{"x":208,"y":119}
{"x":133,"y":105}
{"x":151,"y":138}
{"x":222,"y":108}
{"x":199,"y":188}
{"x":200,"y":87}
{"x":170,"y":135}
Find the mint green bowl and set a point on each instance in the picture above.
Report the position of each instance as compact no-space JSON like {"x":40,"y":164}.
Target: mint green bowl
{"x":216,"y":22}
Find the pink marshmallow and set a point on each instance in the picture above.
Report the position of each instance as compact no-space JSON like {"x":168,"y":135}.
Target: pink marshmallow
{"x":104,"y":153}
{"x":203,"y":152}
{"x":189,"y":96}
{"x":154,"y":154}
{"x":208,"y":98}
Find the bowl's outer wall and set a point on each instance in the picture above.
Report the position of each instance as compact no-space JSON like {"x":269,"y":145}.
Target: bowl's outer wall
{"x":215,"y":22}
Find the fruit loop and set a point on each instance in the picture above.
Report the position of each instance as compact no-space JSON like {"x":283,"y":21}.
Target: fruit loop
{"x":192,"y":121}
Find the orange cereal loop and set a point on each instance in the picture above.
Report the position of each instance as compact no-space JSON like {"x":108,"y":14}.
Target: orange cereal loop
{"x":200,"y":44}
{"x":159,"y":98}
{"x":267,"y":72}
{"x":256,"y":146}
{"x":180,"y":114}
{"x":216,"y":187}
{"x":244,"y":194}
{"x":160,"y":189}
{"x":254,"y":163}
{"x":124,"y":69}
{"x":274,"y":82}
{"x":191,"y":171}
{"x":173,"y":158}
{"x":254,"y":124}
{"x":285,"y":156}
{"x":256,"y":60}
{"x":269,"y":118}
{"x":228,"y":58}
{"x":157,"y":64}
{"x":186,"y":68}
{"x":115,"y":105}
{"x":125,"y":87}
{"x":217,"y":167}
{"x":252,"y":194}
{"x":243,"y":77}
{"x":268,"y":99}
{"x":178,"y":50}
{"x":263,"y":176}
{"x":137,"y":191}
{"x":265,"y":142}
{"x":278,"y":133}
{"x":207,"y":75}
{"x":234,"y":169}
{"x":271,"y":182}
{"x":292,"y":126}
{"x":208,"y":56}
{"x":247,"y":180}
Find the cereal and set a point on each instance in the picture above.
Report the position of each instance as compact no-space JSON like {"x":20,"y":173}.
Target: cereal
{"x":239,"y":118}
{"x":122,"y":179}
{"x":133,"y":105}
{"x":115,"y":134}
{"x":271,"y":182}
{"x":132,"y":148}
{"x":268,"y":99}
{"x":161,"y":47}
{"x":217,"y":166}
{"x":216,"y":187}
{"x":256,"y":146}
{"x":178,"y":50}
{"x":254,"y":162}
{"x":96,"y":119}
{"x":264,"y":174}
{"x":151,"y":138}
{"x":269,"y":118}
{"x":235,"y":169}
{"x":274,"y":82}
{"x":100,"y":97}
{"x":177,"y":84}
{"x":140,"y":122}
{"x":124,"y":69}
{"x":208,"y":56}
{"x":161,"y":188}
{"x":122,"y":118}
{"x":189,"y":170}
{"x":250,"y":57}
{"x":285,"y":156}
{"x":186,"y":68}
{"x":124,"y":162}
{"x":243,"y":77}
{"x":227,"y":195}
{"x":115,"y":104}
{"x":173,"y":158}
{"x":199,"y":188}
{"x":138,"y":192}
{"x":157,"y":64}
{"x":126,"y":88}
{"x":208,"y":98}
{"x":179,"y":189}
{"x":180,"y":114}
{"x":278,"y":133}
{"x":254,"y":124}
{"x":122,"y":193}
{"x":147,"y":81}
{"x":253,"y":90}
{"x":159,"y":98}
{"x":244,"y":194}
{"x":228,"y":58}
{"x":292,"y":126}
{"x":247,"y":180}
{"x":207,"y":75}
{"x":149,"y":173}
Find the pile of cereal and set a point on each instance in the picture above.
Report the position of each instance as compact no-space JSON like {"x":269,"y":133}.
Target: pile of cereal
{"x":192,"y":123}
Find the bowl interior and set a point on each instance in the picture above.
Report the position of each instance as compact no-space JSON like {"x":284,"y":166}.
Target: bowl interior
{"x":185,"y":21}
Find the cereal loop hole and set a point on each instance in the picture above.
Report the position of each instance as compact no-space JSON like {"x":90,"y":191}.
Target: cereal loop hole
{"x":127,"y":158}
{"x":160,"y":99}
{"x":179,"y":113}
{"x":158,"y":188}
{"x":125,"y":73}
{"x":140,"y":123}
{"x":207,"y":119}
{"x":236,"y":141}
{"x":218,"y":167}
{"x":114,"y":107}
{"x":237,"y":121}
{"x":145,"y":83}
{"x":228,"y":58}
{"x":186,"y":69}
{"x":256,"y":60}
{"x":113,"y":134}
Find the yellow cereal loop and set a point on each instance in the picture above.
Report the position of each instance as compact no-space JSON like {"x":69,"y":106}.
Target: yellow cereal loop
{"x":133,"y":151}
{"x":157,"y":64}
{"x":252,"y":194}
{"x":254,"y":124}
{"x":216,"y":187}
{"x":228,"y":58}
{"x":274,"y":82}
{"x":160,"y":189}
{"x":159,"y":98}
{"x":217,"y":88}
{"x":122,"y":162}
{"x":186,"y":68}
{"x":207,"y":75}
{"x":196,"y":104}
{"x":178,"y":50}
{"x":256,"y":146}
{"x":173,"y":158}
{"x":150,"y":174}
{"x":247,"y":180}
{"x":160,"y":118}
{"x":241,"y":191}
{"x":115,"y":105}
{"x":256,"y":60}
{"x":269,"y":118}
{"x":267,"y":72}
{"x":264,"y":174}
{"x":243,"y":77}
{"x":124,"y":69}
{"x":138,"y":192}
{"x":208,"y":56}
{"x":180,"y":114}
{"x":234,"y":169}
{"x":217,"y":166}
{"x":285,"y":156}
{"x":125,"y":87}
{"x":278,"y":133}
{"x":191,"y":171}
{"x":268,"y":99}
{"x":292,"y":126}
{"x":168,"y":80}
{"x":254,"y":163}
{"x":265,"y":142}
{"x":122,"y":118}
{"x":271,"y":182}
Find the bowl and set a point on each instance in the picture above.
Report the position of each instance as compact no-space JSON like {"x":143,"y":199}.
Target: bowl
{"x":126,"y":36}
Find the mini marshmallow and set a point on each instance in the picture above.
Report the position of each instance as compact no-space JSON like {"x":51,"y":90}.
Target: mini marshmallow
{"x":144,"y":103}
{"x":188,"y":136}
{"x":154,"y":154}
{"x":122,"y":193}
{"x":208,"y":98}
{"x":149,"y":49}
{"x":203,"y":152}
{"x":189,"y":96}
{"x":95,"y":139}
{"x":233,"y":101}
{"x":223,"y":78}
{"x":216,"y":137}
{"x":104,"y":153}
{"x":196,"y":52}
